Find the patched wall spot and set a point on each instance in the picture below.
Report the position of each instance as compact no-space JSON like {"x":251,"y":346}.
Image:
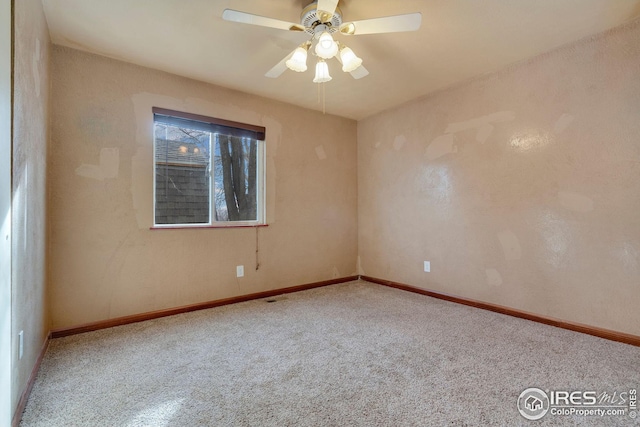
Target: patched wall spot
{"x":563,"y":123}
{"x":484,"y":132}
{"x":441,"y":146}
{"x":320,"y":152}
{"x":494,"y":278}
{"x":399,"y":142}
{"x":510,"y":245}
{"x":106,"y":169}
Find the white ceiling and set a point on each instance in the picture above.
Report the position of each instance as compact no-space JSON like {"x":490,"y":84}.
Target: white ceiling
{"x":458,"y":39}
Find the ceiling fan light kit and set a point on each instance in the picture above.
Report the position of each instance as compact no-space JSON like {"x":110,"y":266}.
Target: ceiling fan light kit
{"x":321,"y":18}
{"x":326,"y":47}
{"x":298,"y":61}
{"x":322,"y":72}
{"x":350,"y":61}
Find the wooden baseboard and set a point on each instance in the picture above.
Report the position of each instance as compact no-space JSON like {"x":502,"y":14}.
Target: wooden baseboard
{"x":58,"y":333}
{"x":24,"y":397}
{"x":576,"y":327}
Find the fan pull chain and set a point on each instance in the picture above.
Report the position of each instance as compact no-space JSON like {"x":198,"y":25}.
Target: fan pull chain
{"x":323,"y":98}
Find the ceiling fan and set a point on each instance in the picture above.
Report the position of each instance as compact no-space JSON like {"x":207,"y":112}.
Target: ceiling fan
{"x":320,"y":19}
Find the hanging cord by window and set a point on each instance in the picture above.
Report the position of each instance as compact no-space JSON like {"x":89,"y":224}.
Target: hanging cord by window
{"x":257,"y":250}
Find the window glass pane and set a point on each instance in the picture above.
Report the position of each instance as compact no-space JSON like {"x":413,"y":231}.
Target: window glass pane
{"x":207,"y":171}
{"x":182,"y":175}
{"x":235,"y":178}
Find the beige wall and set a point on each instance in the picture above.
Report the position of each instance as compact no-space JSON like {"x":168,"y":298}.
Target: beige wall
{"x":105,"y":262}
{"x":6,"y":408}
{"x":30,"y":134}
{"x":521,"y":187}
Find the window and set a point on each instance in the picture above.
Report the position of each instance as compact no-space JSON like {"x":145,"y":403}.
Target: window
{"x":208,"y":172}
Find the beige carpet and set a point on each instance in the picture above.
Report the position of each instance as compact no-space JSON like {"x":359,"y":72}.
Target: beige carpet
{"x":354,"y":354}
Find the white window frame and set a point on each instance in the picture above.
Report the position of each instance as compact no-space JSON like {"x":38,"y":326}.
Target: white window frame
{"x":260,"y":178}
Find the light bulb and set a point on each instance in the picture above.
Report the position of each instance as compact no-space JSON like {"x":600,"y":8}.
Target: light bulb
{"x":326,"y":47}
{"x":349,"y":60}
{"x":298,"y":61}
{"x":322,"y":73}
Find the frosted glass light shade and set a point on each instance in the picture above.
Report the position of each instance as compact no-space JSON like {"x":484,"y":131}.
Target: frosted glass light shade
{"x":322,"y":73}
{"x":349,"y":60}
{"x":326,"y":47}
{"x":298,"y":61}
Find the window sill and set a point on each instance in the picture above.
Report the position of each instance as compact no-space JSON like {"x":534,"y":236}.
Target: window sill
{"x":198,"y":227}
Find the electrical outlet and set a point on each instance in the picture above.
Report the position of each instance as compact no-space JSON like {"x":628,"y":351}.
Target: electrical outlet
{"x":20,"y":344}
{"x":240,"y":271}
{"x":427,"y":267}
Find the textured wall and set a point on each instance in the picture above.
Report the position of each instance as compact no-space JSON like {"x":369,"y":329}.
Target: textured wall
{"x":6,"y":408}
{"x":30,"y":134}
{"x":105,"y":262}
{"x":521,"y":187}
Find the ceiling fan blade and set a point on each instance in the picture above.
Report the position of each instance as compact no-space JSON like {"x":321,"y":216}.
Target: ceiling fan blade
{"x":248,"y":18}
{"x":279,"y":68}
{"x":326,"y":8}
{"x":388,"y":24}
{"x":359,"y":72}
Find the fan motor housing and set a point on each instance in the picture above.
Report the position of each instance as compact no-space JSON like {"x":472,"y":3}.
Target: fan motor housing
{"x":310,"y":18}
